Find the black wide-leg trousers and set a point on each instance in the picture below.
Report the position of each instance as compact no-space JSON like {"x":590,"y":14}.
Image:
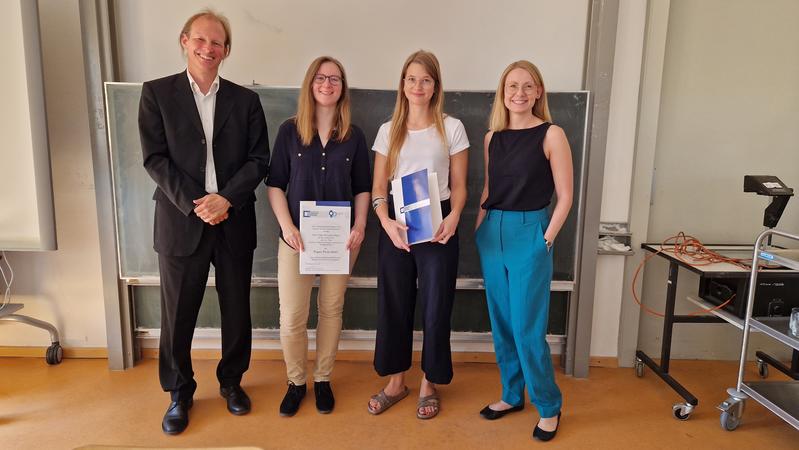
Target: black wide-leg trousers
{"x":435,"y":267}
{"x":183,"y":280}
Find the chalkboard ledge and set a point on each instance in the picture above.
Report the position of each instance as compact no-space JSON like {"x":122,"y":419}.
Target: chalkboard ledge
{"x":354,"y":282}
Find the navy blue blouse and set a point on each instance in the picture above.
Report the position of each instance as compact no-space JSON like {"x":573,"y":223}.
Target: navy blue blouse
{"x":336,"y":172}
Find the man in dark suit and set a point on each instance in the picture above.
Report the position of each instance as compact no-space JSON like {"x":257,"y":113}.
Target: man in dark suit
{"x":204,"y":142}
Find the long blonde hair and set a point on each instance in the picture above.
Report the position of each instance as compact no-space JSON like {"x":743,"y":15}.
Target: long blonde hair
{"x":399,"y":120}
{"x":306,"y":105}
{"x":499,"y":113}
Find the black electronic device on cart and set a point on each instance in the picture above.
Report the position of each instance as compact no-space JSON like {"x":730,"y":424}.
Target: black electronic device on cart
{"x":774,"y":295}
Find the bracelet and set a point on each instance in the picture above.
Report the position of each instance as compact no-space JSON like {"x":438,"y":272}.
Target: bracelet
{"x":377,"y":201}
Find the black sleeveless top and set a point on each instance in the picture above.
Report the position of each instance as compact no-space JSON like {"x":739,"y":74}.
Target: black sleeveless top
{"x":519,"y":174}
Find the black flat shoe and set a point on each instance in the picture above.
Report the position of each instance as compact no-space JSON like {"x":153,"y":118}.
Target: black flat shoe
{"x":492,"y":414}
{"x":238,"y":402}
{"x":324,"y":397}
{"x":176,"y":418}
{"x":291,"y":401}
{"x":544,"y":436}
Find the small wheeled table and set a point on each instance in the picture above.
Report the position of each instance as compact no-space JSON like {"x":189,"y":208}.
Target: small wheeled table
{"x":780,"y":397}
{"x":682,"y":411}
{"x":54,"y":353}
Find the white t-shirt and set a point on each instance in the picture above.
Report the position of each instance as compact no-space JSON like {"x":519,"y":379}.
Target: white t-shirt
{"x":423,"y":149}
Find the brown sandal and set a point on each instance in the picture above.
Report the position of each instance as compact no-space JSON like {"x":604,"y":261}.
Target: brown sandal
{"x":431,"y":400}
{"x":385,"y":401}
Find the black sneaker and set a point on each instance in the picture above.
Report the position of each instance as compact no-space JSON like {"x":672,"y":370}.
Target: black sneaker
{"x":324,"y":397}
{"x":291,"y":402}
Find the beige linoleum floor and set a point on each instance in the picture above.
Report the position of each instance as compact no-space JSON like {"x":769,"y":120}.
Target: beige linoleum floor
{"x":80,"y":402}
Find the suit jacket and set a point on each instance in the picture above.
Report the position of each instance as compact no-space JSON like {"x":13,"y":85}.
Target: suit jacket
{"x":174,"y":151}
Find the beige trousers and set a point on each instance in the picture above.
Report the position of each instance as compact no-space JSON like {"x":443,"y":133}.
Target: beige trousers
{"x":294,"y":291}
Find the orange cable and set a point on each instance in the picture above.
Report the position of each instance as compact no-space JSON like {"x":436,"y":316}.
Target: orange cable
{"x":680,"y":246}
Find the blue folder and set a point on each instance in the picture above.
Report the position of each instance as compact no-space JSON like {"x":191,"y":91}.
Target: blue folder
{"x":416,"y":207}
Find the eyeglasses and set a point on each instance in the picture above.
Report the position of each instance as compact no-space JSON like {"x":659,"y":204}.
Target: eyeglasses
{"x":335,"y":80}
{"x":514,"y":88}
{"x":425,"y":82}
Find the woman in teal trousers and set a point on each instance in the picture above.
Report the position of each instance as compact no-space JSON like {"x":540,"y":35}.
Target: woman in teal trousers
{"x":527,"y":159}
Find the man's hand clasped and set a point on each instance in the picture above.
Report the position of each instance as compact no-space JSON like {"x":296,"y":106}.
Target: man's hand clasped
{"x":212,"y":209}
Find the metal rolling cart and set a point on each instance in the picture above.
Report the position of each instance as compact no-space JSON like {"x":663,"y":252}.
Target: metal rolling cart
{"x":8,"y":313}
{"x":54,"y":353}
{"x":780,"y":397}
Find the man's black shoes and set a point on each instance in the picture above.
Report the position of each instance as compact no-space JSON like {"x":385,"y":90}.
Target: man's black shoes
{"x":324,"y":397}
{"x":291,"y":401}
{"x":238,"y":402}
{"x":176,"y":418}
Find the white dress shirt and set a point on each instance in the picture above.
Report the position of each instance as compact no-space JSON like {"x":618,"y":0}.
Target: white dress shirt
{"x":206,"y":106}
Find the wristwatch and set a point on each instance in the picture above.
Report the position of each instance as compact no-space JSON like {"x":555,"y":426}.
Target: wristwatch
{"x":549,"y":245}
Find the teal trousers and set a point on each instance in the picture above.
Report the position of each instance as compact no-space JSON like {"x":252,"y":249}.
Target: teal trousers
{"x":517,"y":269}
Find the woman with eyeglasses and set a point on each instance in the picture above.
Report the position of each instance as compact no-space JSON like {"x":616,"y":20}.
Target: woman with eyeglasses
{"x":319,"y":155}
{"x":527,"y":159}
{"x":419,"y":136}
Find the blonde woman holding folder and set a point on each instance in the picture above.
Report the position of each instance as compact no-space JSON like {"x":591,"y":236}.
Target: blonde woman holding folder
{"x":319,"y":155}
{"x":419,"y":136}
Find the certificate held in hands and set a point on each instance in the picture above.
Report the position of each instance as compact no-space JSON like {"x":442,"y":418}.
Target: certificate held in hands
{"x":324,"y":227}
{"x":417,"y":205}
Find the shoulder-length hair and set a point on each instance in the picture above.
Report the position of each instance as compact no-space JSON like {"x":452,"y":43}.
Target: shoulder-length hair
{"x":499,"y":113}
{"x":306,"y":105}
{"x":399,"y":120}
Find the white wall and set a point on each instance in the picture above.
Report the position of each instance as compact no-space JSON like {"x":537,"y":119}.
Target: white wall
{"x":26,"y":196}
{"x":730,"y":106}
{"x":275,"y":40}
{"x":63,"y":287}
{"x":619,"y":153}
{"x":607,"y":306}
{"x":623,"y":116}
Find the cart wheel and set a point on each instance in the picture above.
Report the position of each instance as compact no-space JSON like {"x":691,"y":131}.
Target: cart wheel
{"x":682,"y":411}
{"x":54,"y":354}
{"x":729,"y":421}
{"x":762,"y":368}
{"x":639,"y":367}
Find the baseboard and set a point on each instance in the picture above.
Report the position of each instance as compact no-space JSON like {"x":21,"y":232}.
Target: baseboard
{"x":70,"y":352}
{"x":610,"y":362}
{"x":274,"y":355}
